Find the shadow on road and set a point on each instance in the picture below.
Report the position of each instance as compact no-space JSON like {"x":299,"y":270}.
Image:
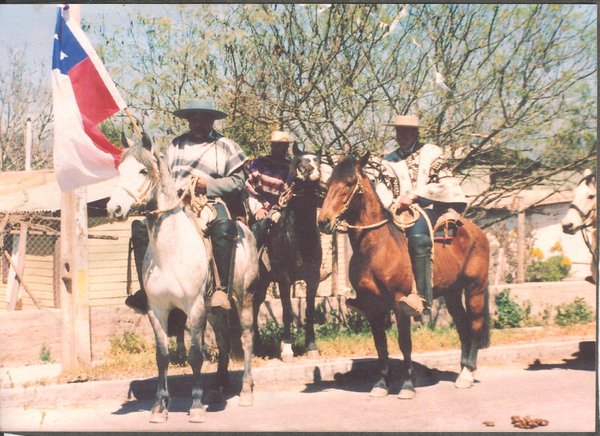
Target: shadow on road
{"x":180,"y":391}
{"x":584,"y":359}
{"x":364,"y":374}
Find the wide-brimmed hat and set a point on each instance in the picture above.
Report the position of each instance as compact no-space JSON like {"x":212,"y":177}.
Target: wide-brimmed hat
{"x":199,"y":106}
{"x":405,"y":121}
{"x":279,"y":136}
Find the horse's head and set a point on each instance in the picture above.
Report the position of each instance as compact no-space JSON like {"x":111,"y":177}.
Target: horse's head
{"x":305,"y":166}
{"x":582,"y":210}
{"x":344,"y":187}
{"x":138,"y":177}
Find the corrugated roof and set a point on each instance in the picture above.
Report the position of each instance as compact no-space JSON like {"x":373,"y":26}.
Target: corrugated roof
{"x":37,"y":191}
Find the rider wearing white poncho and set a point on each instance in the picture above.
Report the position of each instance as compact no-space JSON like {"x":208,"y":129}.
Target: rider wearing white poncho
{"x":418,"y":173}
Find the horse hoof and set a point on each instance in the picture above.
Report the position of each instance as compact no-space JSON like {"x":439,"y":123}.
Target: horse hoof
{"x":465,"y":380}
{"x":378,"y":392}
{"x":246,"y":399}
{"x":407,"y":394}
{"x":198,"y":415}
{"x":159,"y":417}
{"x":313,"y":354}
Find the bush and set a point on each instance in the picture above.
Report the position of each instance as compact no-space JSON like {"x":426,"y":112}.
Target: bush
{"x":129,"y":343}
{"x":577,"y":312}
{"x":554,"y":269}
{"x":508,"y":313}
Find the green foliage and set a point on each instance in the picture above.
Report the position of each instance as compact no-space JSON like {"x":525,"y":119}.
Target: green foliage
{"x":45,"y":353}
{"x":553,"y":269}
{"x":577,"y":312}
{"x":129,"y":343}
{"x":508,"y":313}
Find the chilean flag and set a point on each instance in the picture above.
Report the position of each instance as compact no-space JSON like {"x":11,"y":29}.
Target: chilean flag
{"x":83,"y":95}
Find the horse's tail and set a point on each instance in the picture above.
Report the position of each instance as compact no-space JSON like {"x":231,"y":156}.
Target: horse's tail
{"x":482,"y":338}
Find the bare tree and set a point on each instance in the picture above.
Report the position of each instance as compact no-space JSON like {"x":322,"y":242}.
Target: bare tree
{"x":23,"y":95}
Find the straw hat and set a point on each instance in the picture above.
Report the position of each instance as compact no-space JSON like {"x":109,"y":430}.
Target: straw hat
{"x":405,"y":121}
{"x":199,"y":106}
{"x":278,"y":136}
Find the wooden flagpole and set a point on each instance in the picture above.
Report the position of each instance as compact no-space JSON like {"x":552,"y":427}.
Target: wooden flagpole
{"x":137,"y":129}
{"x":74,"y":285}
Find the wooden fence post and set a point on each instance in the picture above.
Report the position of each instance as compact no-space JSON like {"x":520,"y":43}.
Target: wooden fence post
{"x":74,"y":298}
{"x":521,"y":243}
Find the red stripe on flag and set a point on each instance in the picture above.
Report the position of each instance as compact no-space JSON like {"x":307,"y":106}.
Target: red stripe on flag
{"x":93,"y":98}
{"x":101,"y":142}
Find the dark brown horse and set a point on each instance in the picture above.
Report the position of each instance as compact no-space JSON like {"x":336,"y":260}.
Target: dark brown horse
{"x":294,"y":247}
{"x":381,"y":274}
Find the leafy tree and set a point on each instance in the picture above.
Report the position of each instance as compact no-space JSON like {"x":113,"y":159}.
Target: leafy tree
{"x":510,"y":87}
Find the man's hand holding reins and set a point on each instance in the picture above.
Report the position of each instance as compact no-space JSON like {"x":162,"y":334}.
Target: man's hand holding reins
{"x":404,"y":201}
{"x":260,"y":214}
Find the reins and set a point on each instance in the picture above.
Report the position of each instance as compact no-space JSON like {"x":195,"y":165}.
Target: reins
{"x":341,"y":225}
{"x":400,"y":220}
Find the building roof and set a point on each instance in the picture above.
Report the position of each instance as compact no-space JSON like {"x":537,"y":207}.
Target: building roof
{"x":37,"y":191}
{"x":532,"y":197}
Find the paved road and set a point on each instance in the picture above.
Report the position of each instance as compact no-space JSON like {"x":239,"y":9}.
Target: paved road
{"x":560,"y":390}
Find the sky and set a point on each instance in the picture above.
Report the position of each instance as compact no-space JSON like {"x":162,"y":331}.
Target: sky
{"x":32,"y":26}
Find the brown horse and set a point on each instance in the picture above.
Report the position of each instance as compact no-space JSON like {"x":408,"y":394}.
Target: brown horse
{"x":381,"y":274}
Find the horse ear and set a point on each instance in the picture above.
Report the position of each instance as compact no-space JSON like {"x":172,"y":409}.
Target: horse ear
{"x":125,"y":141}
{"x":296,"y":150}
{"x":341,"y":158}
{"x":146,"y":141}
{"x":362,"y":161}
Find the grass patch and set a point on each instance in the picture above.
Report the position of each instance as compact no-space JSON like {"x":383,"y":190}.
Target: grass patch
{"x":131,"y":356}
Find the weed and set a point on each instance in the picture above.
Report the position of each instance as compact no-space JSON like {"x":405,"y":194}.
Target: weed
{"x":45,"y":353}
{"x":508,"y":313}
{"x":577,"y":312}
{"x":129,"y":343}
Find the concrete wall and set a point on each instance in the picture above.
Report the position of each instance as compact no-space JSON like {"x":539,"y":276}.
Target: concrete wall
{"x":24,"y":333}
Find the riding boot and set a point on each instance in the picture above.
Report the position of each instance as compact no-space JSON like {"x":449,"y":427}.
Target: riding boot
{"x":260,"y":230}
{"x":223,"y":233}
{"x":139,"y":238}
{"x":419,"y":249}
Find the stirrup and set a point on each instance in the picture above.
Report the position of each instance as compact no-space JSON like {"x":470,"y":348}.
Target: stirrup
{"x":412,"y":304}
{"x":220,"y":299}
{"x":138,"y":302}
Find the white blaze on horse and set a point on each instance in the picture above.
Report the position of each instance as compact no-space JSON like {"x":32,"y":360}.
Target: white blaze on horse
{"x":581,"y":216}
{"x":176,"y":274}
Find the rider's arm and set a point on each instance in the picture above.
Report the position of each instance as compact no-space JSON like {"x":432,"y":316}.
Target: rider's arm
{"x":225,"y":185}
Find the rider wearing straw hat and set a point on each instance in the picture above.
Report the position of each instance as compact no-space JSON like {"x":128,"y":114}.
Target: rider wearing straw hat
{"x":216,"y":165}
{"x":418,"y":173}
{"x":267,"y":180}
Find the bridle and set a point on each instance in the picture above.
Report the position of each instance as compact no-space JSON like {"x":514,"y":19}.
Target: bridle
{"x":341,"y":225}
{"x":585,"y":217}
{"x":587,"y":221}
{"x":139,"y":198}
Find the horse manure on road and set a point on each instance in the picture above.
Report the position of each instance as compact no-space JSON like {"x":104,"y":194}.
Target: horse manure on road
{"x":528,"y":423}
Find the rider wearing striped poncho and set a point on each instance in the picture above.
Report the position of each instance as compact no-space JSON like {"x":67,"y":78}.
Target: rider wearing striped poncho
{"x":217,"y":165}
{"x":267,"y":180}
